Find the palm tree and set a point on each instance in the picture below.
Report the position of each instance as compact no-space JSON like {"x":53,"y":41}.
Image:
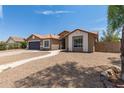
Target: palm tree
{"x":115,"y":22}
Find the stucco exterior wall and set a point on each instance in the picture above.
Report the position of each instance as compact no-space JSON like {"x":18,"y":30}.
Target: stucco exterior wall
{"x":85,"y":40}
{"x":54,"y":44}
{"x":10,"y":41}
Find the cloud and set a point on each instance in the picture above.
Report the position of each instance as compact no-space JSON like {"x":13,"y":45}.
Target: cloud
{"x":101,"y":20}
{"x":51,"y":12}
{"x":1,"y":12}
{"x":98,"y":28}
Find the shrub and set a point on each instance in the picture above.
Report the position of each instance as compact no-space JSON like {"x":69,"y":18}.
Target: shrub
{"x":2,"y":46}
{"x":13,"y":46}
{"x":23,"y":45}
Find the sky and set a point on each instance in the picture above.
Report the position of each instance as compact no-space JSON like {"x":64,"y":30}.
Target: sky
{"x":22,"y":21}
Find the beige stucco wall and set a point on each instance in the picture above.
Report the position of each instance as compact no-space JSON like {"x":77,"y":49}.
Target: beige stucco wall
{"x":55,"y":44}
{"x":10,"y":41}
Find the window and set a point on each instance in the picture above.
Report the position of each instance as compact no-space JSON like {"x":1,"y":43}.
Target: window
{"x":78,"y":41}
{"x":46,"y":43}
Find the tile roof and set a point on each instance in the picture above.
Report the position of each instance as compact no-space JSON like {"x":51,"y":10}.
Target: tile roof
{"x":59,"y":36}
{"x":46,"y":36}
{"x":65,"y":31}
{"x":17,"y":39}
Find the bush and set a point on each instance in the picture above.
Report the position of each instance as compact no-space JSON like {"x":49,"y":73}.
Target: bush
{"x":23,"y":45}
{"x":13,"y":46}
{"x":2,"y":46}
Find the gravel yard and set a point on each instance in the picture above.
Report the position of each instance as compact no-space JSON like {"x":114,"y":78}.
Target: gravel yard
{"x":12,"y":58}
{"x":96,"y":60}
{"x":11,"y":50}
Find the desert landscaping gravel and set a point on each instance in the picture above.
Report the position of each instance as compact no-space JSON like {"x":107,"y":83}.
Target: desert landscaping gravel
{"x":11,"y":50}
{"x":9,"y":77}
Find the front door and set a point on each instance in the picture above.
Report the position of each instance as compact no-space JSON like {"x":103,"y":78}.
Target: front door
{"x":77,"y":42}
{"x":63,"y":43}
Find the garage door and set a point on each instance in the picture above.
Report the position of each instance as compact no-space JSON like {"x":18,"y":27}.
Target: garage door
{"x":34,"y":45}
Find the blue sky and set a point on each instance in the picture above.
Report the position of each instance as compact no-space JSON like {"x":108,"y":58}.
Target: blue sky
{"x":25,"y":20}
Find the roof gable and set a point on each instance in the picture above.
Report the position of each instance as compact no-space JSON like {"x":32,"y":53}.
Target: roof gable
{"x":63,"y":34}
{"x":94,"y":33}
{"x":33,"y":36}
{"x":16,"y":39}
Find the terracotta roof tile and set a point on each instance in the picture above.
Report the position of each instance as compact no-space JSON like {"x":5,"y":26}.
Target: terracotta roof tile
{"x":46,"y":36}
{"x":17,"y":39}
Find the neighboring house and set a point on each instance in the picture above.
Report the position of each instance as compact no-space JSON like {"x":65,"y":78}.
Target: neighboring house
{"x":14,"y":39}
{"x":43,"y":42}
{"x":79,"y":40}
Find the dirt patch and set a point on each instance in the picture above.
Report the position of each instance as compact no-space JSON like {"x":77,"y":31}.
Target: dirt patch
{"x":65,"y":75}
{"x":11,"y":50}
{"x":84,"y":60}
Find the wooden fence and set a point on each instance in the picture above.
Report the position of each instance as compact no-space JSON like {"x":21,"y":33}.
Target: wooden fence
{"x":107,"y":47}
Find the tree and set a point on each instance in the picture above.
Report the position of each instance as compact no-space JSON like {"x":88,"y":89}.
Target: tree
{"x":110,"y":36}
{"x":116,"y":21}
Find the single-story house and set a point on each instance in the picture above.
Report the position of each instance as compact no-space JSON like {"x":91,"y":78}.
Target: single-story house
{"x":43,"y":42}
{"x":78,"y":40}
{"x":14,"y":39}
